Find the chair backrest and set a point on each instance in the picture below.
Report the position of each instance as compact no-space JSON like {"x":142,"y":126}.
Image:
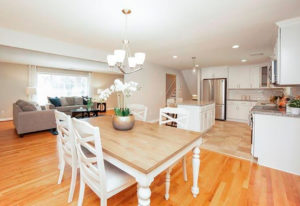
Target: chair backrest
{"x":173,"y":114}
{"x":65,"y":138}
{"x":139,"y":111}
{"x":90,"y":156}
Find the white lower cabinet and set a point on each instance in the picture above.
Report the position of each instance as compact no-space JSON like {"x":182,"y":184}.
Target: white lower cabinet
{"x":202,"y":118}
{"x":276,"y":142}
{"x":239,"y":110}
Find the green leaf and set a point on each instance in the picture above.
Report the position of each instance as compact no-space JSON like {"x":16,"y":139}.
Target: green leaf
{"x":123,"y":112}
{"x":294,"y":103}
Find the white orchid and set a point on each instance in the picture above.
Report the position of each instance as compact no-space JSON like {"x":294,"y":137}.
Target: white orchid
{"x":126,"y":89}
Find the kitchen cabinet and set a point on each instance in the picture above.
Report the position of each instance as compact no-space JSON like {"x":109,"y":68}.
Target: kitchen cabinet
{"x":234,"y":77}
{"x":239,"y":110}
{"x":275,"y":142}
{"x":255,"y":77}
{"x":288,"y":52}
{"x":244,"y":77}
{"x":214,"y":72}
{"x":201,"y":117}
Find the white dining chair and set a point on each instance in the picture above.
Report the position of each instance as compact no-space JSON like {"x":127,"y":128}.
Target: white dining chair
{"x":179,"y":116}
{"x":139,"y":111}
{"x":102,"y":177}
{"x":66,"y":149}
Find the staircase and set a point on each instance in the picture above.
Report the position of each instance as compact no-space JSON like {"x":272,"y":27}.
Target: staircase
{"x":171,"y":92}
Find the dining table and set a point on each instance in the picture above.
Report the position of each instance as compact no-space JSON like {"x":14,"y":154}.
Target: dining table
{"x":147,"y":150}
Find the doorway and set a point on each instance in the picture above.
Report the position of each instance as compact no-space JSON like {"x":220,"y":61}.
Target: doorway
{"x":170,"y":89}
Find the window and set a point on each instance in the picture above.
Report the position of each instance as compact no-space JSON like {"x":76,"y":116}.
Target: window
{"x":60,"y":85}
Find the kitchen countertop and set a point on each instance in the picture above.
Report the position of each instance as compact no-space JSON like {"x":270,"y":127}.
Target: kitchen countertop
{"x":272,"y":110}
{"x":240,"y":100}
{"x":195,"y":103}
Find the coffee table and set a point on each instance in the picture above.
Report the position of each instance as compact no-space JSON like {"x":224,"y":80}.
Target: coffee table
{"x":84,"y":111}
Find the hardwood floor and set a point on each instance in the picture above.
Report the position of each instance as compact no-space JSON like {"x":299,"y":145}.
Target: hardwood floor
{"x":29,"y":173}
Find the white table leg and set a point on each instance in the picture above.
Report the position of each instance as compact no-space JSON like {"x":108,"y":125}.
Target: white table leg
{"x":144,"y":192}
{"x":168,"y":180}
{"x":196,"y":166}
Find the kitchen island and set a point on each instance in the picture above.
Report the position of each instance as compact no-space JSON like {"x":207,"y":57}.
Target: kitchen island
{"x":201,"y":114}
{"x":276,"y":138}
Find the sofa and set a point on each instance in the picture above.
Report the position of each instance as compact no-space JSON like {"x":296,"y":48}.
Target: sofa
{"x":29,"y":117}
{"x":66,"y":104}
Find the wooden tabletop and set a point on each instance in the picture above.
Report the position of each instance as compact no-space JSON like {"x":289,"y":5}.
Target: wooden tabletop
{"x":146,"y":146}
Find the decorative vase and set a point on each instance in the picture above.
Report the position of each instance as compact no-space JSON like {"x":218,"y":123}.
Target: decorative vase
{"x":294,"y":110}
{"x":123,"y":123}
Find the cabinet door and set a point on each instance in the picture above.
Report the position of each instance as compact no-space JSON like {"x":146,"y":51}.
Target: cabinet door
{"x":289,"y":52}
{"x":231,"y":110}
{"x":244,"y":77}
{"x":255,"y":77}
{"x":243,"y":110}
{"x":234,"y":78}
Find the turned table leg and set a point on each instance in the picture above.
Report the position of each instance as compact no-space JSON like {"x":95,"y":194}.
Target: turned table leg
{"x":196,"y":166}
{"x":168,"y":180}
{"x":144,"y":192}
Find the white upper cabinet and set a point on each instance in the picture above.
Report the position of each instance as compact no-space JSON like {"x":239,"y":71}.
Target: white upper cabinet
{"x":244,"y":77}
{"x":288,"y":52}
{"x":214,"y":72}
{"x":255,"y":77}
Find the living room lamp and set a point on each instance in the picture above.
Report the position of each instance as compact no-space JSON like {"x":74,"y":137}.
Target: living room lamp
{"x":30,"y":91}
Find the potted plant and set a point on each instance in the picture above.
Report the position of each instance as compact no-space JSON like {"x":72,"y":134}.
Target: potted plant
{"x":89,"y":104}
{"x":122,"y":120}
{"x":294,"y":106}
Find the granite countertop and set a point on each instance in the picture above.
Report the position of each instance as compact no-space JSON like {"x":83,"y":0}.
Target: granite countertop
{"x":195,"y":103}
{"x":240,"y":100}
{"x":272,"y":110}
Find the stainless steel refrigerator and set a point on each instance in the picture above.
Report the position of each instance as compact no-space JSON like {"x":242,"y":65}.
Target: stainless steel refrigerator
{"x":215,"y":90}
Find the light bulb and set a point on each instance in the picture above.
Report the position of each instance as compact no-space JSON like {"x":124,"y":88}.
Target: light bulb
{"x":111,"y":60}
{"x":120,"y":55}
{"x":140,"y":58}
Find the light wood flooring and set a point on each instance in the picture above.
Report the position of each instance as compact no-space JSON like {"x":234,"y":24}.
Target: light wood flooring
{"x":230,"y":138}
{"x":28,"y":176}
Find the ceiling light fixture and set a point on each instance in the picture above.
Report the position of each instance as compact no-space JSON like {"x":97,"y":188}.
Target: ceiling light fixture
{"x":175,"y":57}
{"x":194,"y":64}
{"x":244,"y":60}
{"x":122,"y":58}
{"x":236,"y":46}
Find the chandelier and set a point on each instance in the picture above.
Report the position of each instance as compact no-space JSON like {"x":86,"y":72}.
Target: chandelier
{"x":122,"y":58}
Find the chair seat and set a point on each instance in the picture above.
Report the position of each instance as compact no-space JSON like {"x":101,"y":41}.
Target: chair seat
{"x":116,"y":178}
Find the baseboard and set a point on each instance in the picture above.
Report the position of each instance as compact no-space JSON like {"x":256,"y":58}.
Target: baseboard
{"x":6,"y":119}
{"x":238,"y":120}
{"x":110,"y":108}
{"x":153,"y":121}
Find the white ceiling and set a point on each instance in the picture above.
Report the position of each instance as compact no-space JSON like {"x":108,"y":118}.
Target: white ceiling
{"x":203,"y":28}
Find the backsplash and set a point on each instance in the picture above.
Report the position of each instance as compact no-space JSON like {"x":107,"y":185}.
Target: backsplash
{"x":296,"y":91}
{"x":259,"y":94}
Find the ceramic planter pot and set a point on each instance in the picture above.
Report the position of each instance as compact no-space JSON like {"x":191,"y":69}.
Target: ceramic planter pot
{"x":294,"y":110}
{"x":123,"y":123}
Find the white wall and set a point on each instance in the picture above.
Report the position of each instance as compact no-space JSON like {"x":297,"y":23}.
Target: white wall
{"x":153,"y":92}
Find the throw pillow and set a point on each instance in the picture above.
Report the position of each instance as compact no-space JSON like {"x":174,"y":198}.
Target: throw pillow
{"x":27,"y":106}
{"x":70,"y":100}
{"x":63,"y":101}
{"x":85,"y":100}
{"x":55,"y":101}
{"x":78,"y":100}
